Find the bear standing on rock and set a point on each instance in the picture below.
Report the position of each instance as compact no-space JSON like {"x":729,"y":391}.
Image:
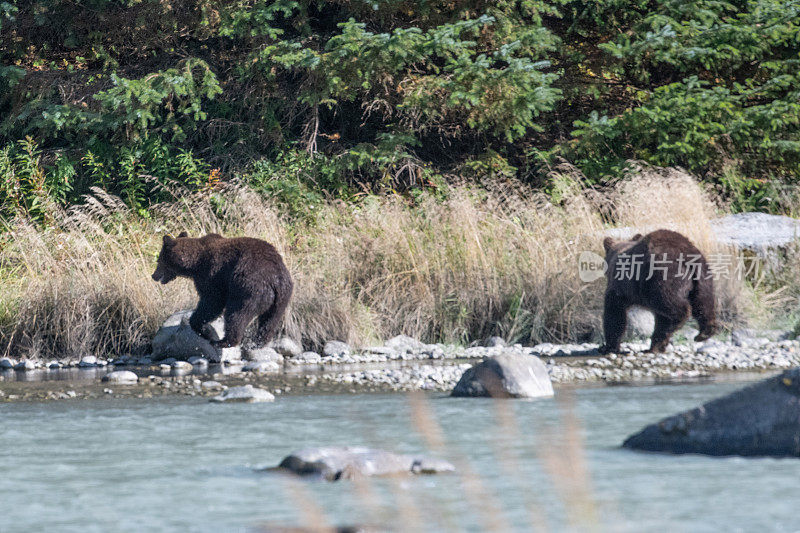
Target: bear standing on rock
{"x":664,"y":273}
{"x":244,"y":277}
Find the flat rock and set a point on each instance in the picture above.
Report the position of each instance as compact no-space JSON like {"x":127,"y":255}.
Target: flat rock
{"x":121,"y":376}
{"x":756,"y":232}
{"x":507,"y":375}
{"x":334,"y":463}
{"x":244,"y":394}
{"x":759,"y":420}
{"x":336,"y":349}
{"x":286,"y":347}
{"x":6,"y":363}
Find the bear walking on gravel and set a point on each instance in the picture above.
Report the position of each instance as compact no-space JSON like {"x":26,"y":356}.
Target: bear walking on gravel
{"x":244,"y":277}
{"x":664,"y":273}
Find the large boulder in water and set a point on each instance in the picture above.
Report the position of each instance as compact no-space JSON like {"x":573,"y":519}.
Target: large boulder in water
{"x":507,"y":375}
{"x":177,"y":339}
{"x":334,"y":463}
{"x":763,"y":419}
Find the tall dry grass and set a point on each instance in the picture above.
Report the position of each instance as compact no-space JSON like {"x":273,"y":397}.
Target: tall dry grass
{"x":496,"y":260}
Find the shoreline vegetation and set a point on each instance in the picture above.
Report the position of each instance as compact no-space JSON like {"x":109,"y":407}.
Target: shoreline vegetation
{"x":429,"y":170}
{"x":454,"y":265}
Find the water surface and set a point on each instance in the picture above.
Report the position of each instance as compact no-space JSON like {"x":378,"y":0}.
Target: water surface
{"x":183,"y":464}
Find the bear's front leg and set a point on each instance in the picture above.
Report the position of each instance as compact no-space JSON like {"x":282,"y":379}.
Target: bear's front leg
{"x":615,"y":319}
{"x":208,"y":309}
{"x":238,"y":316}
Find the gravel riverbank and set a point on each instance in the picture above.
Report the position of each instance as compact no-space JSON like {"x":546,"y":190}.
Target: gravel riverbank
{"x":402,"y":364}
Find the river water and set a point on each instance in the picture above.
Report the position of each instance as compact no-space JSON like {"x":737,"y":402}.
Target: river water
{"x":184,"y":464}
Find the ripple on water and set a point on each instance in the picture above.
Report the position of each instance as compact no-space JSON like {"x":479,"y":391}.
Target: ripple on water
{"x":184,"y":464}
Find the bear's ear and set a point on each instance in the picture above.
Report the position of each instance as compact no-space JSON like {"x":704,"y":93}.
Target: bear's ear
{"x":183,"y":234}
{"x":168,"y":241}
{"x":608,"y":242}
{"x":636,"y":237}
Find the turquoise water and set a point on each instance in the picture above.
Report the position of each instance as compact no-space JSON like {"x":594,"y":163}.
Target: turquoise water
{"x":184,"y":464}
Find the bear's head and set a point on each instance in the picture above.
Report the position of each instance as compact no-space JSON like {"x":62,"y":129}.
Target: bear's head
{"x":614,"y":248}
{"x":172,"y":260}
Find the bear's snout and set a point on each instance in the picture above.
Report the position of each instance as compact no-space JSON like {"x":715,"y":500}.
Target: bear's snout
{"x":163,"y":275}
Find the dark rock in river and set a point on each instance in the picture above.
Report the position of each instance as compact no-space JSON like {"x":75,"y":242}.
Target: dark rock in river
{"x":508,"y":375}
{"x":763,"y":419}
{"x":177,"y":339}
{"x":334,"y":463}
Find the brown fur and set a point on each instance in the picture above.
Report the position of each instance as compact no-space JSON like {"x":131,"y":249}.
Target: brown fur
{"x":672,"y":294}
{"x":244,"y":277}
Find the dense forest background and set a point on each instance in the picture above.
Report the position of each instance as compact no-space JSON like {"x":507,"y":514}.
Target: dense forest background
{"x":307,"y":99}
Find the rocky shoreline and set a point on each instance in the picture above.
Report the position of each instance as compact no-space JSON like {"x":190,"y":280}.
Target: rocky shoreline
{"x":401,"y":364}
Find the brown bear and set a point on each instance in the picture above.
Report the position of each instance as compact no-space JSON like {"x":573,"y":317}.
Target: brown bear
{"x":244,"y":277}
{"x":664,"y":273}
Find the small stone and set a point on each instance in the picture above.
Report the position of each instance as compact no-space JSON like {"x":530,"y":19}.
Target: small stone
{"x":121,"y":376}
{"x":262,"y":367}
{"x":493,"y":342}
{"x":211,"y":385}
{"x":404,"y":343}
{"x":336,"y":349}
{"x":182,"y":366}
{"x":246,"y":394}
{"x":307,"y":358}
{"x":262,"y":354}
{"x":229,"y":355}
{"x":25,"y":365}
{"x":286,"y":347}
{"x":88,"y":361}
{"x":54,"y":365}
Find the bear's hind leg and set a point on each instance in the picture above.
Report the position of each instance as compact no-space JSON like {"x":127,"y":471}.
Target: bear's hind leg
{"x":703,"y":308}
{"x":269,"y":322}
{"x":237,"y":317}
{"x":665,"y":327}
{"x":615,"y":319}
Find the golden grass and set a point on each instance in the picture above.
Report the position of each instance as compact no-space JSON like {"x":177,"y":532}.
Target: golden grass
{"x":485,"y":261}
